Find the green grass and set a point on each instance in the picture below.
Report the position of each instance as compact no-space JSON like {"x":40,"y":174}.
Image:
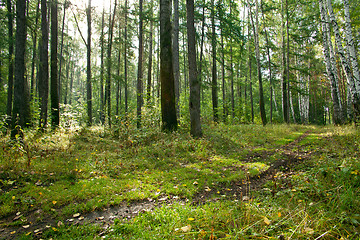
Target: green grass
{"x":91,"y":169}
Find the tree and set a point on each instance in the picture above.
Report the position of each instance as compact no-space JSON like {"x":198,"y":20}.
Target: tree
{"x":88,"y":69}
{"x":214,"y":87}
{"x":44,"y":67}
{"x":194,"y":103}
{"x":330,"y":64}
{"x":168,"y":109}
{"x":102,"y":102}
{"x":11,"y":62}
{"x":21,"y":105}
{"x":176,"y":56}
{"x":54,"y":89}
{"x":139,"y":88}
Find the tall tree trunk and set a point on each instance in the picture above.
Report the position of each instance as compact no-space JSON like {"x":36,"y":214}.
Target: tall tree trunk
{"x":214,"y":87}
{"x":223,"y":75}
{"x":54,"y":89}
{"x":125,"y":58}
{"x":330,"y":66}
{"x":140,"y":62}
{"x":10,"y":89}
{"x":88,"y":69}
{"x":34,"y":53}
{"x":61,"y":47}
{"x":118,"y":77}
{"x":168,"y":108}
{"x":250,"y":72}
{"x":108,"y":79}
{"x":176,"y":61}
{"x":44,"y":66}
{"x":194,"y":104}
{"x":202,"y":46}
{"x":257,"y":49}
{"x":102,"y":99}
{"x":148,"y":86}
{"x":288,"y":60}
{"x":285,"y":97}
{"x":20,"y":111}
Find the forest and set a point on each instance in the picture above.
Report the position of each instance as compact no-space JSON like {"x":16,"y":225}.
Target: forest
{"x":208,"y":119}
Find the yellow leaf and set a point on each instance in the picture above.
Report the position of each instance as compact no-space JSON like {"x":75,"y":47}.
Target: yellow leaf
{"x":309,"y":230}
{"x":54,"y":202}
{"x":54,"y":229}
{"x":266,"y":221}
{"x":191,"y":219}
{"x":279,"y":214}
{"x":13,"y":198}
{"x":186,"y":228}
{"x":13,"y":232}
{"x":26,"y":226}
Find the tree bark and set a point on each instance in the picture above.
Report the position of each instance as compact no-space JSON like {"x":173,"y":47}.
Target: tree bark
{"x":102,"y":99}
{"x":44,"y":67}
{"x":140,"y":62}
{"x":149,"y":80}
{"x":176,"y":56}
{"x":34,"y":53}
{"x":168,"y":108}
{"x":330,"y":65}
{"x":10,"y":89}
{"x":20,"y":112}
{"x":54,"y":89}
{"x":194,"y":103}
{"x":214,"y":87}
{"x":88,"y":69}
{"x":257,"y":49}
{"x":125,"y":59}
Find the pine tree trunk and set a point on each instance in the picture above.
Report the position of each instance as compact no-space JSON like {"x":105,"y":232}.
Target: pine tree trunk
{"x":125,"y":58}
{"x":44,"y":67}
{"x":257,"y":50}
{"x":168,"y":104}
{"x":88,"y":69}
{"x":34,"y":53}
{"x":149,"y":80}
{"x":176,"y":56}
{"x":61,"y":49}
{"x":10,"y":89}
{"x":108,"y":79}
{"x":54,"y":88}
{"x":194,"y":104}
{"x":102,"y":99}
{"x":214,"y":87}
{"x":20,"y":111}
{"x":140,"y":62}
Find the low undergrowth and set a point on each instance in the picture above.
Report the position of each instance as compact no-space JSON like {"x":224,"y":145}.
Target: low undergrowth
{"x":56,"y":175}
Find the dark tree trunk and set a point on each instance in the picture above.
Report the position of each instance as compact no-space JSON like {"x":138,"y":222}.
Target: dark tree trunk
{"x":168,"y":108}
{"x":54,"y":89}
{"x":148,"y":88}
{"x":88,"y":69}
{"x":176,"y":57}
{"x":61,"y":48}
{"x":140,"y":62}
{"x":108,"y":79}
{"x":102,"y":100}
{"x":34,"y":53}
{"x":194,"y":104}
{"x":125,"y":59}
{"x":10,"y":90}
{"x":214,"y":87}
{"x":44,"y":67}
{"x":20,"y":111}
{"x":118,"y":76}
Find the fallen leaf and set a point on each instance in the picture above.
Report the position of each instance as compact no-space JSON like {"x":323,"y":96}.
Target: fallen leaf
{"x":54,"y":202}
{"x":71,"y":220}
{"x":195,"y":183}
{"x":37,"y":230}
{"x":81,"y":218}
{"x":279,"y":214}
{"x":26,"y":226}
{"x":18,"y":213}
{"x":13,"y":232}
{"x":13,"y":197}
{"x":76,"y":215}
{"x":99,"y":218}
{"x":186,"y":228}
{"x":207,"y":189}
{"x":191,"y":219}
{"x":266,"y":221}
{"x":309,"y":230}
{"x":60,"y":223}
{"x":245,"y":198}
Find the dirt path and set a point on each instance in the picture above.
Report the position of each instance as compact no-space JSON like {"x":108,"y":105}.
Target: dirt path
{"x":290,"y":155}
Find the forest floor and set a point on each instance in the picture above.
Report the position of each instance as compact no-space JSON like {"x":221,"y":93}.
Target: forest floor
{"x":237,"y":182}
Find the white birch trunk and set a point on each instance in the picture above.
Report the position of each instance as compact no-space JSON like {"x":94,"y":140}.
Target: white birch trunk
{"x":330,"y":63}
